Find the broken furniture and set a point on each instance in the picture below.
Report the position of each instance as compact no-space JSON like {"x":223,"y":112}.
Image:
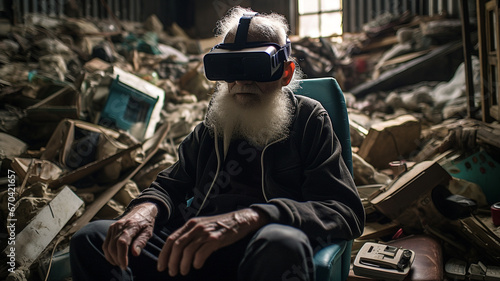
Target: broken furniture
{"x":151,"y":147}
{"x":82,"y":148}
{"x":410,"y":197}
{"x":488,"y":13}
{"x":426,"y":67}
{"x":420,"y":201}
{"x":333,"y":261}
{"x":64,"y":103}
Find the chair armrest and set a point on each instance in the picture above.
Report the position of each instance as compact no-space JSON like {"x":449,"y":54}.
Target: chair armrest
{"x":333,"y":262}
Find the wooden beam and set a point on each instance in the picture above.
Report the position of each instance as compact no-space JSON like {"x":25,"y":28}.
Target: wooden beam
{"x":385,"y":42}
{"x":487,"y":136}
{"x":394,"y":78}
{"x":467,"y":46}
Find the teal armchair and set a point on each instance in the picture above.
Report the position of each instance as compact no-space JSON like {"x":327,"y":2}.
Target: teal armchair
{"x":332,"y":263}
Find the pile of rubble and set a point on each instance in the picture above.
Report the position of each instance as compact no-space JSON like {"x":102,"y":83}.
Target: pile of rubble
{"x":68,"y":159}
{"x":423,"y":164}
{"x":65,"y":85}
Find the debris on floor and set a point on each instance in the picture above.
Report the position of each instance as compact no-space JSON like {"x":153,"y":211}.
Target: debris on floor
{"x":95,"y":111}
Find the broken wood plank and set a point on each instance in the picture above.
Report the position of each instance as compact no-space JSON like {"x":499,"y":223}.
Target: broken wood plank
{"x":37,"y":235}
{"x":410,"y":72}
{"x":153,"y":145}
{"x":488,"y":136}
{"x":385,"y":42}
{"x":90,"y":168}
{"x":404,"y":58}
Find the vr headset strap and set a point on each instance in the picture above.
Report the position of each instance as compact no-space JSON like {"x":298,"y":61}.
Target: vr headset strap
{"x":285,"y":51}
{"x":242,"y":32}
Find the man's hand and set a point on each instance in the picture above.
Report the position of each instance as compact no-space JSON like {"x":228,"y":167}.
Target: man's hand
{"x":193,"y":243}
{"x":134,"y":229}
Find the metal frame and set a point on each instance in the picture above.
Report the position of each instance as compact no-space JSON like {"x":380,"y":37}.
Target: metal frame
{"x":94,"y":9}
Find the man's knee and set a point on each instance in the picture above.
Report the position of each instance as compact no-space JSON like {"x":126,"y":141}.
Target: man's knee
{"x":282,"y":239}
{"x":91,"y":235}
{"x":277,"y":252}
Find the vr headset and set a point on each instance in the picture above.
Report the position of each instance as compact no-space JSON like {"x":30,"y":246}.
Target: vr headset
{"x":246,"y":61}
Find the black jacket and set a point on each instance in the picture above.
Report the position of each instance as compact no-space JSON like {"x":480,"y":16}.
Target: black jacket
{"x":305,"y":181}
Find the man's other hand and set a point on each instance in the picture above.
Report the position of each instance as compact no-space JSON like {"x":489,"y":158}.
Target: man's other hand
{"x":133,"y":230}
{"x":193,"y":243}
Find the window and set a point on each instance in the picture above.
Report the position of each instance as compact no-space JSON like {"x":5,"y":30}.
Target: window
{"x":320,"y":18}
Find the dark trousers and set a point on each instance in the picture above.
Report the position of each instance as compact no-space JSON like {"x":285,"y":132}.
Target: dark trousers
{"x":275,"y":252}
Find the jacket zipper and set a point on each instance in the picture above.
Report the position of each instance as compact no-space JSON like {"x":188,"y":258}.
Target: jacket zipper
{"x":219,"y":164}
{"x":216,"y":174}
{"x":262,"y":167}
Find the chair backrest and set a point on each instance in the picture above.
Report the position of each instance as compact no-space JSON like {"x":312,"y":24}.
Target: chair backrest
{"x":332,"y":262}
{"x":327,"y":91}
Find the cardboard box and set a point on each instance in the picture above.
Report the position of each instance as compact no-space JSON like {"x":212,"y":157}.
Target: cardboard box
{"x":408,"y":199}
{"x":390,"y":141}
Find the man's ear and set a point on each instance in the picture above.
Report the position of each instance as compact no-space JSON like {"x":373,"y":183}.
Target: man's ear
{"x":289,"y":69}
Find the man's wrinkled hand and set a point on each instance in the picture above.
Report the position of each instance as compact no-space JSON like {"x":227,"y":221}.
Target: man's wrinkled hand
{"x":198,"y":238}
{"x":133,"y":231}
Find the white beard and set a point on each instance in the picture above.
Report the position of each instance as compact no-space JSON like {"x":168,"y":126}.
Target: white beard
{"x":259,"y":119}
